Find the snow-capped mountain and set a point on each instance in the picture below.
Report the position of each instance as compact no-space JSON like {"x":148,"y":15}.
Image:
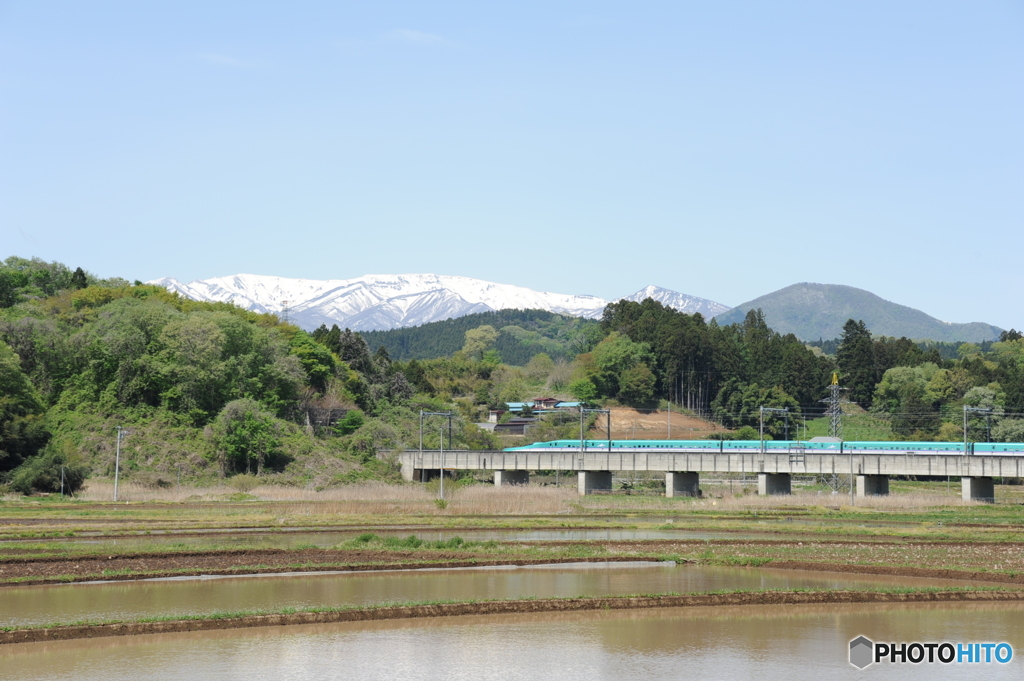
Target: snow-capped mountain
{"x":385,"y":301}
{"x":680,"y":301}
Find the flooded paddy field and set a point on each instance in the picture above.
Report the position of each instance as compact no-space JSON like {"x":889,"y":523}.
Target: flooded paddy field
{"x":34,"y":606}
{"x":791,"y":643}
{"x":561,"y":607}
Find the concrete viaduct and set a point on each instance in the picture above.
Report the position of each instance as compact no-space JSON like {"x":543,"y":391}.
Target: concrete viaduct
{"x":774,"y":469}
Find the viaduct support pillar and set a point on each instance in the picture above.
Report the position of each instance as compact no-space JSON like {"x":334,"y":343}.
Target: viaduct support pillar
{"x":505,"y":478}
{"x":409,"y":473}
{"x":774,"y":483}
{"x":978,"y":489}
{"x":682,"y":484}
{"x":872,"y":485}
{"x":589,"y":482}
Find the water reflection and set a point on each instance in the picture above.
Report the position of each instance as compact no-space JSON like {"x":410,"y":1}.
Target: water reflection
{"x":36,"y":605}
{"x":788,"y":642}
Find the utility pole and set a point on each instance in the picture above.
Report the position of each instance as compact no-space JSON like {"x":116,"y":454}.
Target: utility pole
{"x":583,"y":443}
{"x":987,"y":411}
{"x":441,"y":444}
{"x":62,"y":481}
{"x":770,"y":410}
{"x":121,"y":432}
{"x":760,"y":429}
{"x":448,"y":415}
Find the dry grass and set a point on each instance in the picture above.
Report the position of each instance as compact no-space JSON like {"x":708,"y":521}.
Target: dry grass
{"x":728,"y":501}
{"x":512,"y":500}
{"x":103,"y":490}
{"x":362,"y":499}
{"x":381,"y":499}
{"x":387,"y":499}
{"x":914,"y":501}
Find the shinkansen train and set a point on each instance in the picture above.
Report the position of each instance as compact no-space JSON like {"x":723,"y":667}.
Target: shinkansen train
{"x":780,"y":446}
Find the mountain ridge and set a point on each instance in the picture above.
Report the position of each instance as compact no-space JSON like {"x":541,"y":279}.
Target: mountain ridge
{"x":818,"y":311}
{"x":381,"y":302}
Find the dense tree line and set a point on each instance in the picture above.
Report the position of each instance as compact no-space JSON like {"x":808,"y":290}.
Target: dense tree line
{"x":521,"y":335}
{"x":923,"y":394}
{"x":21,"y":279}
{"x":938,"y":350}
{"x":726,"y":370}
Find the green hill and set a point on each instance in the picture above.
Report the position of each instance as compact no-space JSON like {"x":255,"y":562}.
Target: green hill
{"x":523,"y":334}
{"x":813,"y":311}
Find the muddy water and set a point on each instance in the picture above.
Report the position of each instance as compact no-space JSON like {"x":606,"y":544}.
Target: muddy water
{"x":791,"y":643}
{"x":36,"y":605}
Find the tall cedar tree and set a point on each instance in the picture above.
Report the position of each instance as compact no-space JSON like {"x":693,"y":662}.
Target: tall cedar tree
{"x":856,"y":360}
{"x":78,"y":279}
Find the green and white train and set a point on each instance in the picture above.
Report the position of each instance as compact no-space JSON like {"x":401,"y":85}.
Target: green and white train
{"x":754,"y":446}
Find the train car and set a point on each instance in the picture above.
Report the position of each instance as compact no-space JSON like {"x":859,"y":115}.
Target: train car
{"x":779,"y":446}
{"x":999,"y":448}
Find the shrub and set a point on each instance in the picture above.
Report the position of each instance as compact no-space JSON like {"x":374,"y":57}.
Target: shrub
{"x":350,"y":423}
{"x":243,"y":483}
{"x":42,"y":473}
{"x":152,"y":480}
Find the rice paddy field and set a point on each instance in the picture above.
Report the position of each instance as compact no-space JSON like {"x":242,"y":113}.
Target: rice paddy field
{"x":88,"y":567}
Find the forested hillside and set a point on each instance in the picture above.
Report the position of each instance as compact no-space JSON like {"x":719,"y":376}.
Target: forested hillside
{"x":521,"y":335}
{"x":208,"y":390}
{"x":728,"y":371}
{"x":203,"y":389}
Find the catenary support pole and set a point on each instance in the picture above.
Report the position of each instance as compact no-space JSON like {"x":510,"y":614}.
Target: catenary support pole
{"x":117,"y":461}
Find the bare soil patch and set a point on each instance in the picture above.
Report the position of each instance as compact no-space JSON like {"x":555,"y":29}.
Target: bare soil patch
{"x":653,"y":424}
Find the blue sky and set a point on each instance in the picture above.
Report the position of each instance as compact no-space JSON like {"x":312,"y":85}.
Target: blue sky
{"x":722,"y":149}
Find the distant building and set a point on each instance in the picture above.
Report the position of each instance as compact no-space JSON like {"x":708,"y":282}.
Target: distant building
{"x":517,"y":426}
{"x":541,"y":404}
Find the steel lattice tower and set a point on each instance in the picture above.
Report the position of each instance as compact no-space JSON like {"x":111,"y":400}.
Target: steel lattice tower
{"x":835,"y":408}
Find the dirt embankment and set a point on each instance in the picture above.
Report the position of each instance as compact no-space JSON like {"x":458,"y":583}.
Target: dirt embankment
{"x":971,"y":561}
{"x":500,"y":607}
{"x":653,"y":424}
{"x":268,"y":561}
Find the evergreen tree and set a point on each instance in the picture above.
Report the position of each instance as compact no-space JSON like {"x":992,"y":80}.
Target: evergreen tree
{"x":351,"y":348}
{"x":856,"y":360}
{"x":416,"y":375}
{"x":78,"y":280}
{"x":382,"y":362}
